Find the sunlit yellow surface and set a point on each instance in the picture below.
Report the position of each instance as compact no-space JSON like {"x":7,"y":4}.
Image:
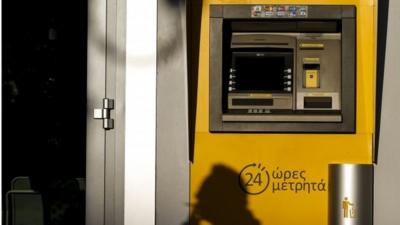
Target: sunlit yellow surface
{"x":306,"y":152}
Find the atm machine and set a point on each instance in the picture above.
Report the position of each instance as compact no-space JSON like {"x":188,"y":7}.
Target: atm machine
{"x":283,"y":103}
{"x":279,"y":118}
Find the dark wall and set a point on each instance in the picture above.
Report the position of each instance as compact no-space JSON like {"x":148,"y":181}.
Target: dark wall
{"x":44,"y":91}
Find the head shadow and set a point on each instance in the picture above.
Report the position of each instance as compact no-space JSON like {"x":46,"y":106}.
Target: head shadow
{"x":220,"y":200}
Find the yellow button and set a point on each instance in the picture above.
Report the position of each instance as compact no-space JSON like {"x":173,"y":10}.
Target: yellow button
{"x":312,"y":79}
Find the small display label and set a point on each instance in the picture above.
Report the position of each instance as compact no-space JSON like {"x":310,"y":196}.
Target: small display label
{"x":279,"y":11}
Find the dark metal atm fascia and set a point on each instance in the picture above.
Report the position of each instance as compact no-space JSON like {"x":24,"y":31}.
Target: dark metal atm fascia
{"x":347,"y":17}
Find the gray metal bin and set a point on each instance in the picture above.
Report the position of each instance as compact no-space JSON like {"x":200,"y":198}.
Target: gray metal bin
{"x":350,"y":194}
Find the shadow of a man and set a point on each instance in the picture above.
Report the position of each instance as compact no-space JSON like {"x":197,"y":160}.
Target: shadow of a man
{"x":220,"y":200}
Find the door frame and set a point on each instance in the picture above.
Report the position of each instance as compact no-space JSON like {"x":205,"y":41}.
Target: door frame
{"x":105,"y":79}
{"x":172,"y":135}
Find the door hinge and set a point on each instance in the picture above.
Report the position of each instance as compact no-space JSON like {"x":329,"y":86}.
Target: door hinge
{"x":105,"y":113}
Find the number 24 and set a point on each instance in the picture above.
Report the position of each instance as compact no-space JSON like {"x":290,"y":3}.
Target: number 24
{"x":257,"y":179}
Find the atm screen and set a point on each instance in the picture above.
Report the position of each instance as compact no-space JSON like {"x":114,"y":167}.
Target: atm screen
{"x":256,"y":72}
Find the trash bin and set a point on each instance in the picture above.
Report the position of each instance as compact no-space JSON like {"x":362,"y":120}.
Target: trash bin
{"x":350,"y":194}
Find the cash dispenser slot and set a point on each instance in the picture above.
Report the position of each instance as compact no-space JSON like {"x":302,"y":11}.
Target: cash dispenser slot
{"x":318,"y":102}
{"x":253,"y":101}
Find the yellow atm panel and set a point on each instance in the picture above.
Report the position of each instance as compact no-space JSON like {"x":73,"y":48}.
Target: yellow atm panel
{"x":269,"y":122}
